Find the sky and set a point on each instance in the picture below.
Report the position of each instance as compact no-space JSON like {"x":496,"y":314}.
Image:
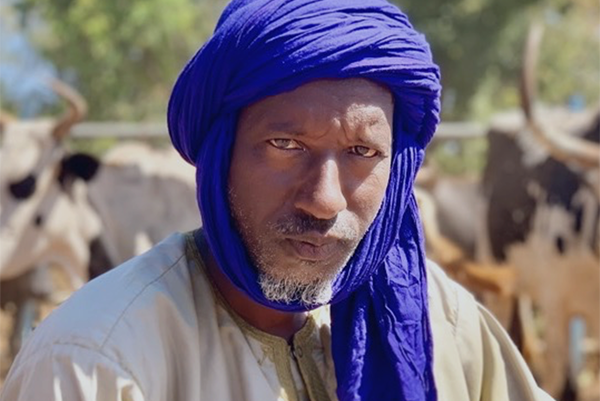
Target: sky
{"x":23,"y":71}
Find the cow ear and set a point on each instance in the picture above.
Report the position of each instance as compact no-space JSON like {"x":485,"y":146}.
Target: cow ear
{"x":78,"y":165}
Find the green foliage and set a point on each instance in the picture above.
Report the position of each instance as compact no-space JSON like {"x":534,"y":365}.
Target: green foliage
{"x":570,"y":53}
{"x":96,"y":147}
{"x":99,"y":146}
{"x":460,"y":157}
{"x":478,"y":45}
{"x":463,"y":35}
{"x":569,"y":64}
{"x":124,"y":55}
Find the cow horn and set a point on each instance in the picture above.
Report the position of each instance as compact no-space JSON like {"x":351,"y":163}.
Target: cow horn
{"x":77,"y":109}
{"x":561,"y":145}
{"x":528,"y":72}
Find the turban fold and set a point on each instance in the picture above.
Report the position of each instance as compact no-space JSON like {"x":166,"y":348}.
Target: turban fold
{"x":381,"y":337}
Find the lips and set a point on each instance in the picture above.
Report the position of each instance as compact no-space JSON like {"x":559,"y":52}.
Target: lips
{"x":314,"y":249}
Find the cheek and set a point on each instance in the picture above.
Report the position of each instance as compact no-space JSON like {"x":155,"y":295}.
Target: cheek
{"x":368,"y":196}
{"x":241,"y":198}
{"x":255,"y":191}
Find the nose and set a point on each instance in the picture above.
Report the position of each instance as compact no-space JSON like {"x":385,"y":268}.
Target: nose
{"x":321,"y":192}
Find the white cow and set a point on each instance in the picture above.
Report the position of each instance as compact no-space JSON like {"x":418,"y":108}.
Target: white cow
{"x":141,"y":195}
{"x":59,"y":207}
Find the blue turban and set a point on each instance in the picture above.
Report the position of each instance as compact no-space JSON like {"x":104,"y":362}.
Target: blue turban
{"x":381,"y":337}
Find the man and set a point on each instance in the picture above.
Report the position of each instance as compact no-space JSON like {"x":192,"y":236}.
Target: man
{"x":306,"y":121}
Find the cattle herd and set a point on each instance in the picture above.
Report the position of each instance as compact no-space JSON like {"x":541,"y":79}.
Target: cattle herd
{"x":524,"y":237}
{"x":78,"y":212}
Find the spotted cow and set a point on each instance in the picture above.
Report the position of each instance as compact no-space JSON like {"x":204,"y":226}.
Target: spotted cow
{"x":80,"y":213}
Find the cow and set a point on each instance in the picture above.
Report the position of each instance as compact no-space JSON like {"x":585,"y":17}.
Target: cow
{"x":83,"y":214}
{"x":542,"y":214}
{"x":529,"y":238}
{"x":452,"y":245}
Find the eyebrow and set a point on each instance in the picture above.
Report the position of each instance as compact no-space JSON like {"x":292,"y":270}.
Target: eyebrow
{"x":294,"y":129}
{"x":287,"y":128}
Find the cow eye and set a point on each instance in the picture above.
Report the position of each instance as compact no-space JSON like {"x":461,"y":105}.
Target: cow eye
{"x":23,"y":189}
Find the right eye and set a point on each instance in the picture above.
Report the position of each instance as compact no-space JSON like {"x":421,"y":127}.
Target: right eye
{"x":285,"y":144}
{"x":23,"y":189}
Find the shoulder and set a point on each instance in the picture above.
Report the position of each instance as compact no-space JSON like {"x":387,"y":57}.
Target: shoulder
{"x":455,"y":319}
{"x":122,"y":310}
{"x":69,"y":373}
{"x":474,"y":356}
{"x":448,"y":299}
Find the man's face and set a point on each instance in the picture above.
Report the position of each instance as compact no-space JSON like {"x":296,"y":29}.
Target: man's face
{"x":308,"y":174}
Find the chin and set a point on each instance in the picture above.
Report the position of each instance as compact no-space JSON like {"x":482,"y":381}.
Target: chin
{"x":306,"y":271}
{"x":289,"y":290}
{"x":305,"y":281}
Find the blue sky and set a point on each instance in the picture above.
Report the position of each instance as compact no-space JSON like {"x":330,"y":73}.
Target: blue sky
{"x":23,"y":71}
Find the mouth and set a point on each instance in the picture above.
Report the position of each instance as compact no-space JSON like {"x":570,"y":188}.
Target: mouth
{"x":314,"y":249}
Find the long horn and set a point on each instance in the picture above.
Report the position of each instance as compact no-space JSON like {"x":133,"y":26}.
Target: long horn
{"x":561,"y":145}
{"x":77,"y":108}
{"x":528,"y":72}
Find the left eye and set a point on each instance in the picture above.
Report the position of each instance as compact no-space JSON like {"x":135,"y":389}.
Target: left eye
{"x":363,"y":151}
{"x":285,"y":144}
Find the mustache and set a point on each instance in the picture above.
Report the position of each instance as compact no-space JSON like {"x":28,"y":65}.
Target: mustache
{"x":302,"y":223}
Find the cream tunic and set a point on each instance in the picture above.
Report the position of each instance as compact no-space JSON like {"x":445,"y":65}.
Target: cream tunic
{"x":155,"y":330}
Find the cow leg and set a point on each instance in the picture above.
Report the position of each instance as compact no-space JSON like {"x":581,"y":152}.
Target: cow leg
{"x":525,"y":333}
{"x":99,"y":259}
{"x":569,"y":392}
{"x":27,"y":313}
{"x":556,"y":338}
{"x":24,"y":294}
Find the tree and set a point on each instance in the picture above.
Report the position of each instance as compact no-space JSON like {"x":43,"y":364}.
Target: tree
{"x":123,"y":56}
{"x":478,"y":45}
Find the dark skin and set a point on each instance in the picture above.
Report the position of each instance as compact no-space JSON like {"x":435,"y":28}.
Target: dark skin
{"x":321,"y":152}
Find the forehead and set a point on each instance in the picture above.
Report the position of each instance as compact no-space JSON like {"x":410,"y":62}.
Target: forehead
{"x":357,"y":98}
{"x":22,"y":145}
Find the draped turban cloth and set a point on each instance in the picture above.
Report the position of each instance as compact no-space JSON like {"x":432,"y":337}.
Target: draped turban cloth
{"x":381,"y":337}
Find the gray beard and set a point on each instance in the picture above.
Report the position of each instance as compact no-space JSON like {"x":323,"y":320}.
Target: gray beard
{"x":288,"y":290}
{"x":291,"y":288}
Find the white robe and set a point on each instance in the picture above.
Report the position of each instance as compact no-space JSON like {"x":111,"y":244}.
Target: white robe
{"x":154,"y":329}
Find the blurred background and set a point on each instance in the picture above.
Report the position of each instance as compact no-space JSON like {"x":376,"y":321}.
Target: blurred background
{"x":509,"y":193}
